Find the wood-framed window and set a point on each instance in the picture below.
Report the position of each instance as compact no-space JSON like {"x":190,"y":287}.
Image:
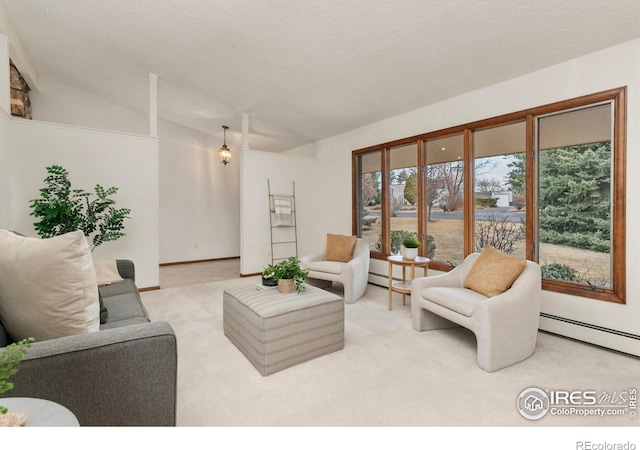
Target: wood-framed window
{"x":547,"y":184}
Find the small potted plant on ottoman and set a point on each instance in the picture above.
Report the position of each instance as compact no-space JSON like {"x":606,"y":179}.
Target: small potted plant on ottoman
{"x":290,"y":275}
{"x":267,"y":276}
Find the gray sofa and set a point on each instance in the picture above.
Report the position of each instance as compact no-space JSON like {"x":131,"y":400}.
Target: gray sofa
{"x":125,"y":374}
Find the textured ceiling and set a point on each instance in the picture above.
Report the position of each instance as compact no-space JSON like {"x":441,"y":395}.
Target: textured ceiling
{"x":305,"y":69}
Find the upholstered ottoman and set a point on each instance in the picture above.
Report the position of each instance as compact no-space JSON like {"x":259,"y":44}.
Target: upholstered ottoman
{"x":276,"y":331}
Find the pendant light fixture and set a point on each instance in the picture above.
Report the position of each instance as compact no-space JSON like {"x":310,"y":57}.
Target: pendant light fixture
{"x":224,"y":153}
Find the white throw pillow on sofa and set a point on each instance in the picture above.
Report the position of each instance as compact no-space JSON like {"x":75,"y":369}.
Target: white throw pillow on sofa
{"x":48,"y":287}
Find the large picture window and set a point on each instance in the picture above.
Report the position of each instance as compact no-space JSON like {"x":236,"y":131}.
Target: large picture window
{"x":499,"y":189}
{"x":444,"y":198}
{"x":368,"y":186}
{"x":546,"y":184}
{"x":575,"y":179}
{"x":403,"y":195}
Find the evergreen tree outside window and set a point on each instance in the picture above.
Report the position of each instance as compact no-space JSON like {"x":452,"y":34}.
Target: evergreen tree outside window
{"x":574,"y":196}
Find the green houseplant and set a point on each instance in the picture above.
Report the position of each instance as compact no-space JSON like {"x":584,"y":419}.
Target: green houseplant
{"x":411,"y":246}
{"x":411,"y":242}
{"x":9,"y":358}
{"x":267,"y":276}
{"x":397,"y":236}
{"x":290,"y":269}
{"x":61,"y":209}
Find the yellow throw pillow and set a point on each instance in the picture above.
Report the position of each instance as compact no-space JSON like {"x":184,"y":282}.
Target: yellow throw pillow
{"x":339,"y":247}
{"x":494,"y":272}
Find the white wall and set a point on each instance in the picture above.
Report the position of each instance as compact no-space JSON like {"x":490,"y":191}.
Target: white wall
{"x":607,"y":69}
{"x":333,"y":189}
{"x":281,"y":171}
{"x":5,"y":110}
{"x":199,"y":197}
{"x":6,"y":221}
{"x":128,"y":162}
{"x":58,"y":103}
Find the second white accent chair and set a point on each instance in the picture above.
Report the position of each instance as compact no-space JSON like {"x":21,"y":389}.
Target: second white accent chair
{"x":353,"y":275}
{"x":506,"y":325}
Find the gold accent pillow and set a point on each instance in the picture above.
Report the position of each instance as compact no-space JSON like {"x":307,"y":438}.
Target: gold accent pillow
{"x":494,"y":272}
{"x":339,"y":247}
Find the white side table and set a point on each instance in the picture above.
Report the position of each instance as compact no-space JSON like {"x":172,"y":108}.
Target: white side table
{"x":41,"y":413}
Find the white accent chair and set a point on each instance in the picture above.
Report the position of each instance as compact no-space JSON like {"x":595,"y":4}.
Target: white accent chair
{"x":505,"y":326}
{"x":354,"y":275}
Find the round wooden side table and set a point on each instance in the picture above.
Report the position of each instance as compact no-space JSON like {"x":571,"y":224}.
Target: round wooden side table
{"x":404,"y":286}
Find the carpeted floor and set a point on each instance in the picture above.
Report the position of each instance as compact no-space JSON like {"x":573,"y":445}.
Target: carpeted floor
{"x":387,"y":375}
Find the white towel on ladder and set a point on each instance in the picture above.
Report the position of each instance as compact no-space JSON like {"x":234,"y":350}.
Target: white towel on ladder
{"x":283,"y":209}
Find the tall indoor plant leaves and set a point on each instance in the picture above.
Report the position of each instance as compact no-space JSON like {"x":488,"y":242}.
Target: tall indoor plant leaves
{"x":62,"y":210}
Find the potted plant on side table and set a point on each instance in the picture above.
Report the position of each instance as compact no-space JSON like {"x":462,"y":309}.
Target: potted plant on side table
{"x":290,"y":275}
{"x":411,"y":246}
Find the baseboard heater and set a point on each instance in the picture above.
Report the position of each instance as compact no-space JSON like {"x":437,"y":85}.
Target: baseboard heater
{"x":588,"y":325}
{"x":608,"y":338}
{"x":620,"y":341}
